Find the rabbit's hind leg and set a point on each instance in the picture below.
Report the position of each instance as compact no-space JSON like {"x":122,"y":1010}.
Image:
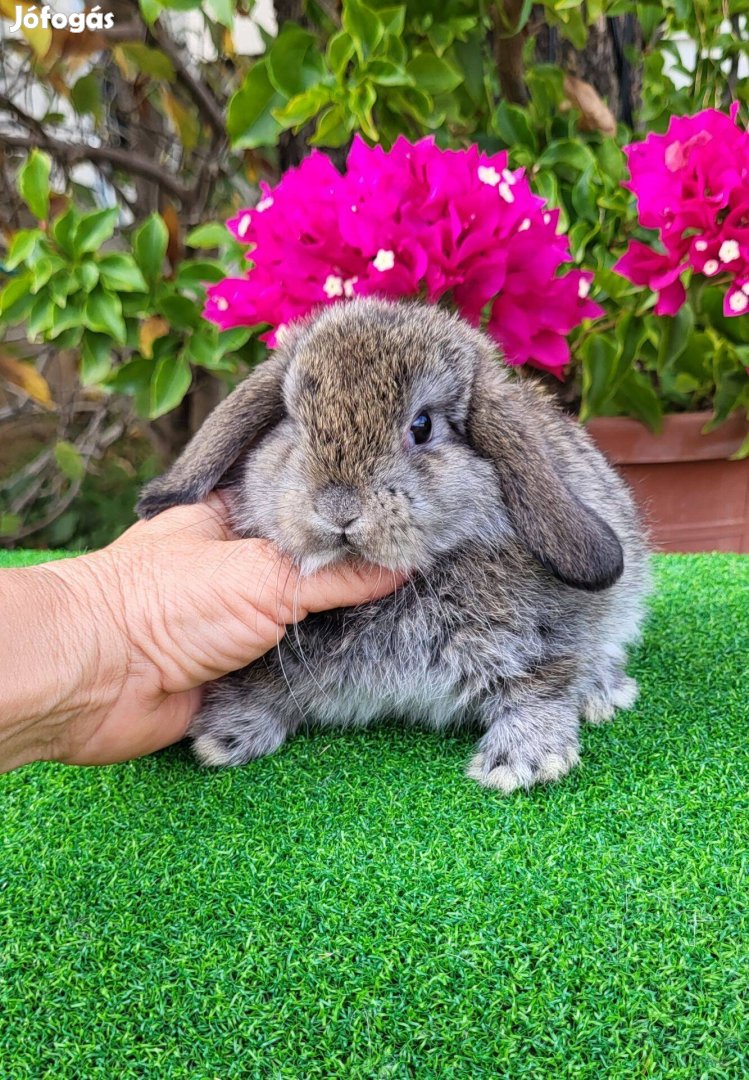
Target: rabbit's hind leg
{"x":608,"y":691}
{"x":239,"y":722}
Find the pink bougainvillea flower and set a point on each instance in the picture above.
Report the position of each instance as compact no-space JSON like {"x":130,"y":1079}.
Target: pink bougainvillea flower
{"x":692,"y":187}
{"x":455,"y":226}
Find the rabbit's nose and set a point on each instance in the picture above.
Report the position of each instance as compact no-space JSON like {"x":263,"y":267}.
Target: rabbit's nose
{"x":339,"y":506}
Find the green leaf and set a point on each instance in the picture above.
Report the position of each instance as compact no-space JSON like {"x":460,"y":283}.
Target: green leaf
{"x":103,"y":314}
{"x":64,"y":319}
{"x":150,"y":10}
{"x":295,"y":63}
{"x":64,"y":230}
{"x":303,"y":107}
{"x":393,"y":18}
{"x":612,"y":160}
{"x":120,"y":273}
{"x":386,"y":73}
{"x":134,"y":379}
{"x":149,"y":246}
{"x":221,"y":11}
{"x":171,"y":381}
{"x":250,"y":121}
{"x":547,"y":185}
{"x":433,"y":74}
{"x":149,"y":61}
{"x":86,"y":275}
{"x":43,"y":271}
{"x":339,"y":52}
{"x":513,"y":126}
{"x":584,"y":197}
{"x":9,"y":524}
{"x":511,"y":27}
{"x":603,"y":367}
{"x":85,"y":95}
{"x":96,"y":358}
{"x":192,"y":274}
{"x":33,"y":183}
{"x":39,"y":318}
{"x":69,"y":460}
{"x":61,"y":285}
{"x":231,"y":340}
{"x":636,"y":397}
{"x":21,"y":247}
{"x":16,"y":299}
{"x":675,"y":332}
{"x":567,"y":152}
{"x":361,"y":102}
{"x":211,"y":235}
{"x":181,"y":313}
{"x":334,"y":127}
{"x":93,"y":229}
{"x":363,"y":25}
{"x":728,"y":394}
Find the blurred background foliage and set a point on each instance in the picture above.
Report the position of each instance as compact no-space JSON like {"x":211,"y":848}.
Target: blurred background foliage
{"x":123,"y":149}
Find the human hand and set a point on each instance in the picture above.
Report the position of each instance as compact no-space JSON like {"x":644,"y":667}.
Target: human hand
{"x":131,"y":633}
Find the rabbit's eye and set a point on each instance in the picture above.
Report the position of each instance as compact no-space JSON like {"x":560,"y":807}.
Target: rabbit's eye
{"x":421,"y":428}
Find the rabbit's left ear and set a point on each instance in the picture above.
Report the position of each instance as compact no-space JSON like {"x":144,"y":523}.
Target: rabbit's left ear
{"x":506,"y":425}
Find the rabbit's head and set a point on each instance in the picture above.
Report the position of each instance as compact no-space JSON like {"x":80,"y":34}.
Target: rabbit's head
{"x":389,"y":432}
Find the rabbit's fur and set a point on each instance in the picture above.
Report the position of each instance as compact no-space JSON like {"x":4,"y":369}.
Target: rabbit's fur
{"x":527,"y":562}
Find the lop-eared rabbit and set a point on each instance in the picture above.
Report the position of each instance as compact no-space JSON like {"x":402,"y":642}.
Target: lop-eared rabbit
{"x":392,"y":433}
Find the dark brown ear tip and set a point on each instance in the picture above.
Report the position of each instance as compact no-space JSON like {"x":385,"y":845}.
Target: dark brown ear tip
{"x":601,"y":569}
{"x":155,"y":499}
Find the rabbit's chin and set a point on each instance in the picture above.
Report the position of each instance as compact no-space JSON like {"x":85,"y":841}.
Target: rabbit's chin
{"x":312,"y":562}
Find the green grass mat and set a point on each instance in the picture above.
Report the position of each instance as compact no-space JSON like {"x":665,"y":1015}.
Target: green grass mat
{"x":354,"y":907}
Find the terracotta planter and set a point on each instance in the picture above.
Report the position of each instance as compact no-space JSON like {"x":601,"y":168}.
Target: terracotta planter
{"x":692,"y":497}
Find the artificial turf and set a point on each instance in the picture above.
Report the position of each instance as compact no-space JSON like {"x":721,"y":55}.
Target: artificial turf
{"x":354,"y":907}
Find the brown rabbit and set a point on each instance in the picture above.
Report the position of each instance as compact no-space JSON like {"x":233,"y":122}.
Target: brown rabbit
{"x":391,"y":433}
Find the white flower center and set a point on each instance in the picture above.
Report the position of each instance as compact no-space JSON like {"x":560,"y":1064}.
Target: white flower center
{"x":244,"y":224}
{"x":524,"y":225}
{"x":547,"y":219}
{"x":222,"y":303}
{"x":700,"y":245}
{"x":508,"y":177}
{"x":738,"y":302}
{"x":264,"y":204}
{"x":729,"y":251}
{"x":489,"y":175}
{"x":583,"y":288}
{"x":745,"y":288}
{"x":384,"y":260}
{"x":348,"y":287}
{"x":505,"y":192}
{"x":333,"y":286}
{"x":712,"y":266}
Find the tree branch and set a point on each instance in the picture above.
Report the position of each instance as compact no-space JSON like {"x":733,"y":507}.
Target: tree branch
{"x":119,"y":158}
{"x":29,"y":122}
{"x":206,"y":103}
{"x":509,"y":51}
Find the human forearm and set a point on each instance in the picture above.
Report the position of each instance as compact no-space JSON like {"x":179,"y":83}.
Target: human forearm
{"x":52,"y":662}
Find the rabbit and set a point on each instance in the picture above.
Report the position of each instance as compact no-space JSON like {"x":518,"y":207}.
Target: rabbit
{"x":390,"y":432}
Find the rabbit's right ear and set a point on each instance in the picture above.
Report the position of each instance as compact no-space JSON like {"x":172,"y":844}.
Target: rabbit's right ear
{"x":255,"y":406}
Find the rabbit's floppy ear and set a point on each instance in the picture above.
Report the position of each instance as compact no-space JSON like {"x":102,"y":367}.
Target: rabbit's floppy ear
{"x":254,"y":407}
{"x":506,"y":425}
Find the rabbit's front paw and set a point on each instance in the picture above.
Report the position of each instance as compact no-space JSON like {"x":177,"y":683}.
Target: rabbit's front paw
{"x":526,"y":744}
{"x":506,"y":773}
